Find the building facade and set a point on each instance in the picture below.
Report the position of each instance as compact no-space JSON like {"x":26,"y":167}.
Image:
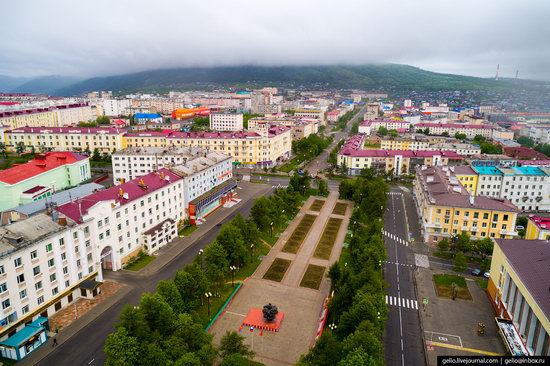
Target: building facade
{"x":54,"y":116}
{"x":447,"y":209}
{"x":226,"y":121}
{"x":453,"y":128}
{"x":41,"y":177}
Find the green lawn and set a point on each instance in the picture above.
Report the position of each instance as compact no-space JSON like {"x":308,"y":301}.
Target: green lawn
{"x":187,"y":230}
{"x":260,"y":250}
{"x":443,"y":285}
{"x":313,"y":277}
{"x":277,"y":270}
{"x":293,"y":243}
{"x":471,"y":259}
{"x":340,"y":208}
{"x":8,"y":162}
{"x":141,"y":261}
{"x":326,"y":242}
{"x":291,"y":165}
{"x":317,"y":205}
{"x":481,"y":282}
{"x":216,"y":302}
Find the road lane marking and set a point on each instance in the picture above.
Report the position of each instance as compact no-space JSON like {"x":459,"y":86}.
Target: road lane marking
{"x":402,"y":302}
{"x":471,"y":350}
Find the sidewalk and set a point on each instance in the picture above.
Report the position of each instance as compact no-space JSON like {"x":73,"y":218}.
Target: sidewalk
{"x":130,"y":280}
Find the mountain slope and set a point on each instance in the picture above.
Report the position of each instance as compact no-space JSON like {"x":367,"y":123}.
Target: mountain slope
{"x":386,"y":76}
{"x":46,"y":84}
{"x":8,"y":83}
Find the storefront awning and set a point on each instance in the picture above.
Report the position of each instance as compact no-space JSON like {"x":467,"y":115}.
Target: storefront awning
{"x":214,"y":194}
{"x":89,"y":285}
{"x":23,"y":336}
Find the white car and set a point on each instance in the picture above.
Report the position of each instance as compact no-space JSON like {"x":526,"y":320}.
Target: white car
{"x":486,"y":274}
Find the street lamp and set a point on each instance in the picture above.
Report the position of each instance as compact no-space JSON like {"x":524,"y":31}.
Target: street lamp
{"x":271,"y":228}
{"x":208,"y":295}
{"x":252,"y":251}
{"x":332,"y":326}
{"x":232,"y":269}
{"x":201,"y":252}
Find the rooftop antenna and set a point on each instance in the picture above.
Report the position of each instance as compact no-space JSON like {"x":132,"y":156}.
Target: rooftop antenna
{"x":498,"y":67}
{"x":517,"y":73}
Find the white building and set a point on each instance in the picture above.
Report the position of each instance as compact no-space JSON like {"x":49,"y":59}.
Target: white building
{"x":45,"y":265}
{"x":369,"y":127}
{"x":226,"y":121}
{"x":73,"y":114}
{"x":453,"y":128}
{"x":116,"y":107}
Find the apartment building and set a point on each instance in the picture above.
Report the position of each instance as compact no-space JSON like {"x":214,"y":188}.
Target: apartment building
{"x":354,"y":158}
{"x":226,"y":121}
{"x":318,"y":113}
{"x":406,"y":143}
{"x":334,"y":115}
{"x":300,"y":127}
{"x":446,"y":208}
{"x":453,"y":128}
{"x":518,"y":288}
{"x":538,"y":228}
{"x":105,"y":139}
{"x":45,"y":265}
{"x":246,"y":148}
{"x":138,"y":215}
{"x":372,"y":126}
{"x":527,"y":187}
{"x":147,"y":118}
{"x":42,"y":176}
{"x":116,"y":107}
{"x":53,"y":116}
{"x":133,"y":162}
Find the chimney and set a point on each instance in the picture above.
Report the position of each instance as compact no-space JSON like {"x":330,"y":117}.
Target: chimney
{"x":472,"y":199}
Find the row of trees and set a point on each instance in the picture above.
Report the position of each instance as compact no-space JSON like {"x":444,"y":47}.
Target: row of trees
{"x":310,"y":147}
{"x":165,"y":328}
{"x":383,"y":131}
{"x":343,"y":121}
{"x":357,"y":309}
{"x":528,"y":142}
{"x":463,"y":244}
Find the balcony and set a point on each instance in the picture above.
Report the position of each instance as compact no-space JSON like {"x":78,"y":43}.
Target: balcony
{"x":464,"y":228}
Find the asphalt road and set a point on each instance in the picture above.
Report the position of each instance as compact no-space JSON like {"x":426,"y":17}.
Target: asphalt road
{"x":86,"y":346}
{"x":282,"y":182}
{"x":320,"y":162}
{"x":402,"y":338}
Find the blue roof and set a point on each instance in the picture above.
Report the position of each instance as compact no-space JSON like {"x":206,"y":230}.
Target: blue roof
{"x":146,"y":115}
{"x":22,"y":336}
{"x":487,"y":170}
{"x":528,"y":170}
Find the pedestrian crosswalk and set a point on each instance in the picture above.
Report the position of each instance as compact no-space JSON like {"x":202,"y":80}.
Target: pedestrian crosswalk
{"x":395,"y":237}
{"x":278,"y":186}
{"x":394,"y":193}
{"x":402,"y":302}
{"x":401,"y":264}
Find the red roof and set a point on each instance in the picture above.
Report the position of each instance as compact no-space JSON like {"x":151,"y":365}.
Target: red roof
{"x":152,"y":182}
{"x":40,"y":164}
{"x":405,"y":153}
{"x":453,"y":125}
{"x":73,"y":130}
{"x":541,"y":222}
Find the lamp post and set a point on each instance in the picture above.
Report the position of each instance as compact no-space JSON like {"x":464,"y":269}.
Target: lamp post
{"x":332,"y":326}
{"x":252,"y":251}
{"x":201,"y":252}
{"x":208,"y":295}
{"x":271,"y":225}
{"x":232,"y":269}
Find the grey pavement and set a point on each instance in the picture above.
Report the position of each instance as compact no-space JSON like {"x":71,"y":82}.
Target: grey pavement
{"x":454,"y":323}
{"x":81,"y":343}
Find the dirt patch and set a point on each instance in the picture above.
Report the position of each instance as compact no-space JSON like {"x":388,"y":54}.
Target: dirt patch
{"x":324,"y":247}
{"x":277,"y":270}
{"x":317,"y":205}
{"x":340,"y":208}
{"x":298,"y":235}
{"x":313,"y":277}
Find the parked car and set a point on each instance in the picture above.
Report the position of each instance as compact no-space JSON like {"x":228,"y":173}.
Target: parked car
{"x":476,"y":272}
{"x":487,"y":274}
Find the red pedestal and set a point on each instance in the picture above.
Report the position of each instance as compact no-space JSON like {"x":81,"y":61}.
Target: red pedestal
{"x":255,"y":318}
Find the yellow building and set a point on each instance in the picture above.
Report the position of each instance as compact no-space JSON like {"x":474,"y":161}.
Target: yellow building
{"x":404,"y":144}
{"x":248,"y":148}
{"x":106,"y":139}
{"x":518,"y":286}
{"x":447,"y":209}
{"x":538,"y":228}
{"x":467,"y":177}
{"x":35,"y":117}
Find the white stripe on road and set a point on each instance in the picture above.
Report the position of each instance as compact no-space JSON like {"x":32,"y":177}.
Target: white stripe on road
{"x":402,"y":302}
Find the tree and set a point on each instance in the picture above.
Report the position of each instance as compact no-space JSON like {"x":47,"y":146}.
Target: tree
{"x":233,"y":342}
{"x":215,"y":258}
{"x":426,"y":131}
{"x":20,"y":147}
{"x":3,"y":150}
{"x":393,"y":133}
{"x":489,"y":148}
{"x":460,"y":262}
{"x":323,"y":187}
{"x":261,"y":213}
{"x":382,"y":131}
{"x":522,"y":221}
{"x":479,"y":139}
{"x":460,"y":136}
{"x":463,"y":242}
{"x":170,"y":293}
{"x":231,"y":239}
{"x":192,"y":284}
{"x":121,"y":349}
{"x":103,"y":120}
{"x":326,"y":351}
{"x":443,"y":245}
{"x":158,"y":314}
{"x":358,"y":357}
{"x":133,"y":321}
{"x":525,"y":141}
{"x":234,"y":359}
{"x":484,"y":247}
{"x":96,"y":155}
{"x":446,"y":134}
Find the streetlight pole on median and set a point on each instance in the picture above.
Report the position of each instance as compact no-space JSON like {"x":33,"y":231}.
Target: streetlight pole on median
{"x":233,"y":269}
{"x":208,"y":295}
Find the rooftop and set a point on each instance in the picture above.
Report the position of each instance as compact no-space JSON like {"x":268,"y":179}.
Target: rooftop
{"x":173,"y":150}
{"x":121,"y":194}
{"x":530,"y":259}
{"x":541,"y":222}
{"x":453,"y":125}
{"x":199,"y":163}
{"x":40,"y":164}
{"x":70,"y":130}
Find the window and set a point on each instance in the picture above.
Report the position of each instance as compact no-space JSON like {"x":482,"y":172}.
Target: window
{"x":495,"y":217}
{"x":49,"y":248}
{"x":34,"y":254}
{"x":25,"y":309}
{"x":23,"y":294}
{"x":485,"y":216}
{"x":65,"y":270}
{"x":38,"y":285}
{"x":55,"y":291}
{"x":40,"y":300}
{"x":2,"y":270}
{"x":51,"y":262}
{"x":62,"y":241}
{"x":53,"y":277}
{"x":21,"y":278}
{"x":63,"y":256}
{"x":87,"y":243}
{"x":118,"y":215}
{"x":100,"y":236}
{"x":3,"y":288}
{"x":106,"y":220}
{"x":17,"y":262}
{"x":476,"y":215}
{"x":505,"y":218}
{"x":36,"y":270}
{"x":6,"y":304}
{"x":99,"y":224}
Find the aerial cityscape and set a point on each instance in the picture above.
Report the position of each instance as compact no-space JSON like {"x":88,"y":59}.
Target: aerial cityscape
{"x":198,"y":190}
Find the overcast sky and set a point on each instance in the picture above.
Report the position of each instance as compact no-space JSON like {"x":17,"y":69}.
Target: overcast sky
{"x":105,"y":37}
